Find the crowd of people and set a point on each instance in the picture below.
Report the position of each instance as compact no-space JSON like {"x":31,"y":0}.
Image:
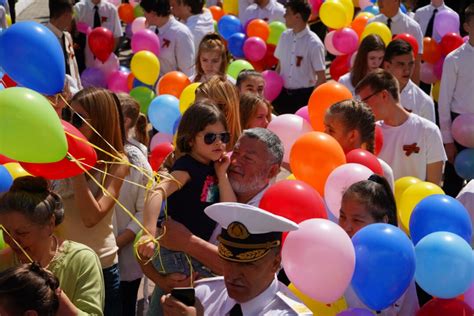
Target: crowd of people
{"x":83,"y":245}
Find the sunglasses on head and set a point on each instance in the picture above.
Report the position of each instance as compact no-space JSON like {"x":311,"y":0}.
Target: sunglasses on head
{"x":72,"y":117}
{"x":210,"y":138}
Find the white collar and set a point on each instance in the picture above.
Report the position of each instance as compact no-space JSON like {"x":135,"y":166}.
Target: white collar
{"x":167,"y":25}
{"x":255,"y":201}
{"x":302,"y":33}
{"x":254,"y":306}
{"x":441,"y":7}
{"x":54,"y":29}
{"x":409,"y":86}
{"x":269,"y":5}
{"x":91,"y":5}
{"x":396,"y":17}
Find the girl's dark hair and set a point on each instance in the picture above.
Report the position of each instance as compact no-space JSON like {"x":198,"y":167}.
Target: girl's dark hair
{"x":245,"y":74}
{"x":29,"y":287}
{"x":194,"y":120}
{"x":370,"y":43}
{"x":376,"y":194}
{"x":356,"y":115}
{"x":131,"y":110}
{"x":31,"y":197}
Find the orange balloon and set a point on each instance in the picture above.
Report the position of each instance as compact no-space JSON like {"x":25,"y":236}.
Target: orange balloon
{"x":126,"y":14}
{"x":322,"y":98}
{"x":431,"y":50}
{"x":258,"y":28}
{"x":130,"y":79}
{"x":314,"y":156}
{"x":359,"y":23}
{"x":172,"y":83}
{"x":217,"y":12}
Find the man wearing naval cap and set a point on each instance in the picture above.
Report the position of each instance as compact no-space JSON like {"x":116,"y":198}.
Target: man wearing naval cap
{"x":249,"y":244}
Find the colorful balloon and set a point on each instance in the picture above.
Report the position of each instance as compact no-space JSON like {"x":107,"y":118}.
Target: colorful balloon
{"x":217,"y":12}
{"x":236,"y":44}
{"x":464,"y":164}
{"x":6,"y":181}
{"x":319,"y":308}
{"x":188,"y":96}
{"x":427,"y":73}
{"x":258,"y":28}
{"x":126,"y":14}
{"x":339,"y":67}
{"x":93,"y":77}
{"x":173,"y":83}
{"x":254,"y":49}
{"x":462,"y":129}
{"x":145,"y":40}
{"x":117,"y":82}
{"x":109,"y":66}
{"x":346,"y":40}
{"x":450,"y":42}
{"x":446,"y":21}
{"x":228,"y":25}
{"x":231,"y":7}
{"x":237,"y":66}
{"x":164,"y":113}
{"x":333,"y":14}
{"x":138,"y":11}
{"x":273,"y":84}
{"x":451,"y":307}
{"x":144,"y":96}
{"x":380,"y":29}
{"x":101,"y":43}
{"x":359,"y":24}
{"x":276,"y":29}
{"x":365,"y":158}
{"x":16,"y":170}
{"x":431,"y":50}
{"x":145,"y":67}
{"x":410,"y":39}
{"x":159,"y":154}
{"x":303,"y":112}
{"x":138,"y":24}
{"x":401,"y":185}
{"x":160,"y":138}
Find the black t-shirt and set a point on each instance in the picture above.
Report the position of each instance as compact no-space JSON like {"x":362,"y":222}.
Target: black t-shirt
{"x":187,"y":205}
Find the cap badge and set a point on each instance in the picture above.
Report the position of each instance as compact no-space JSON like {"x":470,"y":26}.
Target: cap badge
{"x":237,"y":230}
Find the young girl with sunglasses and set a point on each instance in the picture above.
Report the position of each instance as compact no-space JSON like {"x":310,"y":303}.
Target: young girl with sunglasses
{"x":198,"y":179}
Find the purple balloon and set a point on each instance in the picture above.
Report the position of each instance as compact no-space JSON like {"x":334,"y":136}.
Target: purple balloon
{"x":446,"y":22}
{"x":462,"y":129}
{"x":117,"y":81}
{"x":273,"y":84}
{"x":355,"y":312}
{"x":146,"y":40}
{"x":254,"y":48}
{"x":93,"y":77}
{"x":345,"y":40}
{"x":128,"y":31}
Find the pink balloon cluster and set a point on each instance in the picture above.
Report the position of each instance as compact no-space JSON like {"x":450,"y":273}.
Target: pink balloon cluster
{"x":273,"y":84}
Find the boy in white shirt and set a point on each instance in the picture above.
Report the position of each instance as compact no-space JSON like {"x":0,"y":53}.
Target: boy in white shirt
{"x":267,"y":10}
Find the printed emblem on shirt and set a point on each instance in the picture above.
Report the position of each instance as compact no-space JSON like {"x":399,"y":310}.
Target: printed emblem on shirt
{"x":210,"y":190}
{"x":299,"y":59}
{"x":410,"y":149}
{"x":103,"y":19}
{"x":166,"y":43}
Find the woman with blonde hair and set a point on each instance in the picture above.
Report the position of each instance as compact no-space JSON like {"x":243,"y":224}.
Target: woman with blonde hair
{"x":97,"y":114}
{"x":255,"y":111}
{"x":225,"y":96}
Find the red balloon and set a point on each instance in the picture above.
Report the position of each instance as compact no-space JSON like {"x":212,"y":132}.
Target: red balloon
{"x":450,"y":42}
{"x":5,"y":159}
{"x":451,"y":307}
{"x":410,"y":39}
{"x":9,"y":83}
{"x":65,"y":168}
{"x":295,"y":200}
{"x":101,"y":43}
{"x":339,"y":66}
{"x":159,"y":154}
{"x":365,"y":158}
{"x":270,"y":60}
{"x":378,"y":140}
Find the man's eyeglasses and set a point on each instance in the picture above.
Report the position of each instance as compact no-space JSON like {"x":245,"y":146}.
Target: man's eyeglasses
{"x":210,"y":138}
{"x":72,"y":117}
{"x":368,"y":97}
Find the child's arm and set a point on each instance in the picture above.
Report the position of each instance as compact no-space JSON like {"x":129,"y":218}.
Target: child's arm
{"x":226,"y":194}
{"x":153,"y":208}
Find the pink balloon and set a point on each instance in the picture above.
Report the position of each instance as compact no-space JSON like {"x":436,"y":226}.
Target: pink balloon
{"x":438,"y":68}
{"x":138,"y":24}
{"x":303,"y":112}
{"x":315,"y":5}
{"x":328,"y":42}
{"x":160,"y":138}
{"x":146,"y":40}
{"x":462,"y":129}
{"x":289,"y":127}
{"x":319,"y":259}
{"x":115,"y":2}
{"x":117,"y":81}
{"x":111,"y":64}
{"x":254,"y":48}
{"x":365,"y":3}
{"x":469,"y":296}
{"x":466,"y":38}
{"x":427,"y":74}
{"x":345,"y":40}
{"x":340,"y":180}
{"x":82,"y":27}
{"x":273,"y":84}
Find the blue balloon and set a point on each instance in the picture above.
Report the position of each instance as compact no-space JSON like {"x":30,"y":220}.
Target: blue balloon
{"x":464,"y":164}
{"x":6,"y":180}
{"x":32,"y":56}
{"x":138,"y":83}
{"x":444,"y":265}
{"x":440,"y":212}
{"x":236,"y":45}
{"x":3,"y":4}
{"x":228,"y":25}
{"x":403,"y":8}
{"x":385,"y":265}
{"x":93,"y":77}
{"x":356,"y":312}
{"x":372,"y":9}
{"x":164,"y":113}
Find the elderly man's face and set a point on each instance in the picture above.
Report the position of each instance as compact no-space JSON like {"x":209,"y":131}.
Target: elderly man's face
{"x":249,"y":169}
{"x":245,"y":281}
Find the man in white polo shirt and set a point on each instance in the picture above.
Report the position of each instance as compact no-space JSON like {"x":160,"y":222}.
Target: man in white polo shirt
{"x":399,"y":23}
{"x":301,"y":59}
{"x":177,"y":43}
{"x":267,"y":10}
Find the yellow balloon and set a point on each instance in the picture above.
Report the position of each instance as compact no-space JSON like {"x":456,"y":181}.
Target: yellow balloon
{"x":380,"y":29}
{"x":231,"y":7}
{"x":401,"y":185}
{"x":349,"y":8}
{"x":188,"y":96}
{"x":435,"y":90}
{"x":145,"y":66}
{"x":333,"y":14}
{"x":291,"y":177}
{"x":367,"y":14}
{"x":411,"y":197}
{"x":318,"y":308}
{"x":16,"y":170}
{"x":9,"y":20}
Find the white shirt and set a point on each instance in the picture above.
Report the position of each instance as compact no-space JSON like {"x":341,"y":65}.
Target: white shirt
{"x":300,"y":55}
{"x":243,"y":4}
{"x":410,"y":147}
{"x":177,"y":48}
{"x":346,"y":81}
{"x":200,"y":25}
{"x":423,"y":15}
{"x":133,"y":198}
{"x":402,"y":23}
{"x":466,"y":197}
{"x":275,"y":300}
{"x":457,"y":88}
{"x":417,"y":101}
{"x":273,"y":11}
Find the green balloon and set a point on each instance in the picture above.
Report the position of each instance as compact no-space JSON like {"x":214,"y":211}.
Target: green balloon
{"x":2,"y":242}
{"x":276,"y":28}
{"x":215,"y":26}
{"x":237,"y":66}
{"x":30,"y":129}
{"x":144,"y":96}
{"x":138,"y":11}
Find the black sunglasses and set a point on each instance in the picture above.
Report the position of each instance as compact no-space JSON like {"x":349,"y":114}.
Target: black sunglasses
{"x":210,"y":138}
{"x":72,"y":117}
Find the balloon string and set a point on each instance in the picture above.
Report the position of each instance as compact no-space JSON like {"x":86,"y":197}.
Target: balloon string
{"x":16,"y":243}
